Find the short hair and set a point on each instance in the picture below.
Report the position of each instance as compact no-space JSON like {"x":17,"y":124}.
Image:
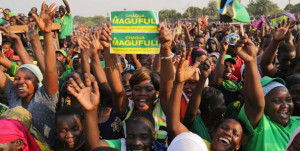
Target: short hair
{"x":210,"y":97}
{"x":285,"y":48}
{"x":199,"y":36}
{"x":7,"y":42}
{"x":69,"y":110}
{"x":218,"y":123}
{"x":143,"y":74}
{"x":142,"y":116}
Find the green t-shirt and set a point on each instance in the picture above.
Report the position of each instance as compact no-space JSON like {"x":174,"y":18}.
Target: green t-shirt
{"x":268,"y":135}
{"x":66,"y":72}
{"x":66,"y":23}
{"x":200,"y":129}
{"x":2,"y":20}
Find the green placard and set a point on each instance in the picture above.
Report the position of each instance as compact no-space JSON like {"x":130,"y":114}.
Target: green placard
{"x":135,"y":43}
{"x":134,"y":21}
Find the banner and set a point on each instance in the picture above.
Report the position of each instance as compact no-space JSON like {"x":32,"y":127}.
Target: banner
{"x":134,"y":32}
{"x":134,"y":21}
{"x":274,"y":22}
{"x":135,"y":43}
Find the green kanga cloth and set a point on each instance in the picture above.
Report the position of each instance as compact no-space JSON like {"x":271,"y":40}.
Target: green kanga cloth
{"x":3,"y":108}
{"x":231,"y":86}
{"x":232,"y":109}
{"x":268,"y":135}
{"x":66,"y":23}
{"x":200,"y":129}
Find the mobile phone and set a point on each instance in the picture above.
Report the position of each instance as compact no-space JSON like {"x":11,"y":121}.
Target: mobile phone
{"x":1,"y":10}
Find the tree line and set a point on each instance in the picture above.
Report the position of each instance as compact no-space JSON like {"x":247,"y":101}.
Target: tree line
{"x":255,"y":8}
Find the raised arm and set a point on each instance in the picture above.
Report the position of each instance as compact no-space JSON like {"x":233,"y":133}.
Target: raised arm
{"x":96,"y":66}
{"x":217,"y":76}
{"x":37,"y":48}
{"x":195,"y":101}
{"x":45,"y":25}
{"x":255,"y":101}
{"x":268,"y":56}
{"x":136,"y":61}
{"x":89,"y":97}
{"x":18,"y":45}
{"x":120,"y":101}
{"x":184,"y":72}
{"x":67,"y":6}
{"x":166,"y":72}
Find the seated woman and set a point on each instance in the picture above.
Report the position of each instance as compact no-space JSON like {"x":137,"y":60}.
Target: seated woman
{"x":14,"y":136}
{"x":27,"y":89}
{"x":226,"y":136}
{"x":139,"y":126}
{"x":267,"y":110}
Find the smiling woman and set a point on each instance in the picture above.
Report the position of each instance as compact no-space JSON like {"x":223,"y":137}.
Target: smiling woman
{"x":31,"y":89}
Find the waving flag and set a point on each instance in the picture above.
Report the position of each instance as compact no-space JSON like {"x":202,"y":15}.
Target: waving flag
{"x":234,"y":10}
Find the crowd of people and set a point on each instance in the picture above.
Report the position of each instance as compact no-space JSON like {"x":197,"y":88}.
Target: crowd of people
{"x":213,"y":86}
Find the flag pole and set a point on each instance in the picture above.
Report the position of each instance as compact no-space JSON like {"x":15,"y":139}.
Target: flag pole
{"x":242,"y":29}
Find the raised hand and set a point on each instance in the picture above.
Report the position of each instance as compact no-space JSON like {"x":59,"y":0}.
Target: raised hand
{"x":165,"y":38}
{"x":8,"y":33}
{"x":46,"y":18}
{"x":184,"y":70}
{"x":246,"y":49}
{"x":205,"y":68}
{"x":87,"y":94}
{"x":95,"y":43}
{"x":225,"y":44}
{"x":106,"y":35}
{"x":281,"y":32}
{"x":31,"y":31}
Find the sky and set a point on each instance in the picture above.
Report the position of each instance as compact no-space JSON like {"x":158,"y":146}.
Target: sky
{"x":102,"y":7}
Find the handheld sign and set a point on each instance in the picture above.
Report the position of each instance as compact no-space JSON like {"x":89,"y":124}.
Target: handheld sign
{"x":134,"y":32}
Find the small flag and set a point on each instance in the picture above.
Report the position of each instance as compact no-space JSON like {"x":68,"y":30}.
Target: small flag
{"x":234,"y":10}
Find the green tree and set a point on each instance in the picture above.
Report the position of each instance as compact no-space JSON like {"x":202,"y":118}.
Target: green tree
{"x":263,"y":7}
{"x":169,"y":14}
{"x":212,"y":10}
{"x":295,"y":8}
{"x":192,"y":12}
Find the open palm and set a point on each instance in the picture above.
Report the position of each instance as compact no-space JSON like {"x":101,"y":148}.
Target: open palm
{"x":184,"y":70}
{"x":46,"y":18}
{"x":87,"y":94}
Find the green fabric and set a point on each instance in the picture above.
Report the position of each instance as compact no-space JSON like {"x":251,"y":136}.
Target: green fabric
{"x":266,"y":80}
{"x":115,"y":143}
{"x":14,"y":68}
{"x":102,"y":64}
{"x":235,"y":10}
{"x":68,"y":70}
{"x":231,"y":86}
{"x":3,"y":108}
{"x":66,"y":23}
{"x":200,"y":129}
{"x":10,"y":14}
{"x":232,"y":109}
{"x":2,"y":20}
{"x":57,"y":20}
{"x":268,"y":135}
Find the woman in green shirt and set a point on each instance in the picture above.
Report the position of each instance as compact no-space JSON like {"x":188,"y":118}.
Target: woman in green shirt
{"x":267,"y":111}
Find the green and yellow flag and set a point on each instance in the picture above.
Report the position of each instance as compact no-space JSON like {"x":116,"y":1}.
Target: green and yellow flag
{"x":234,"y":9}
